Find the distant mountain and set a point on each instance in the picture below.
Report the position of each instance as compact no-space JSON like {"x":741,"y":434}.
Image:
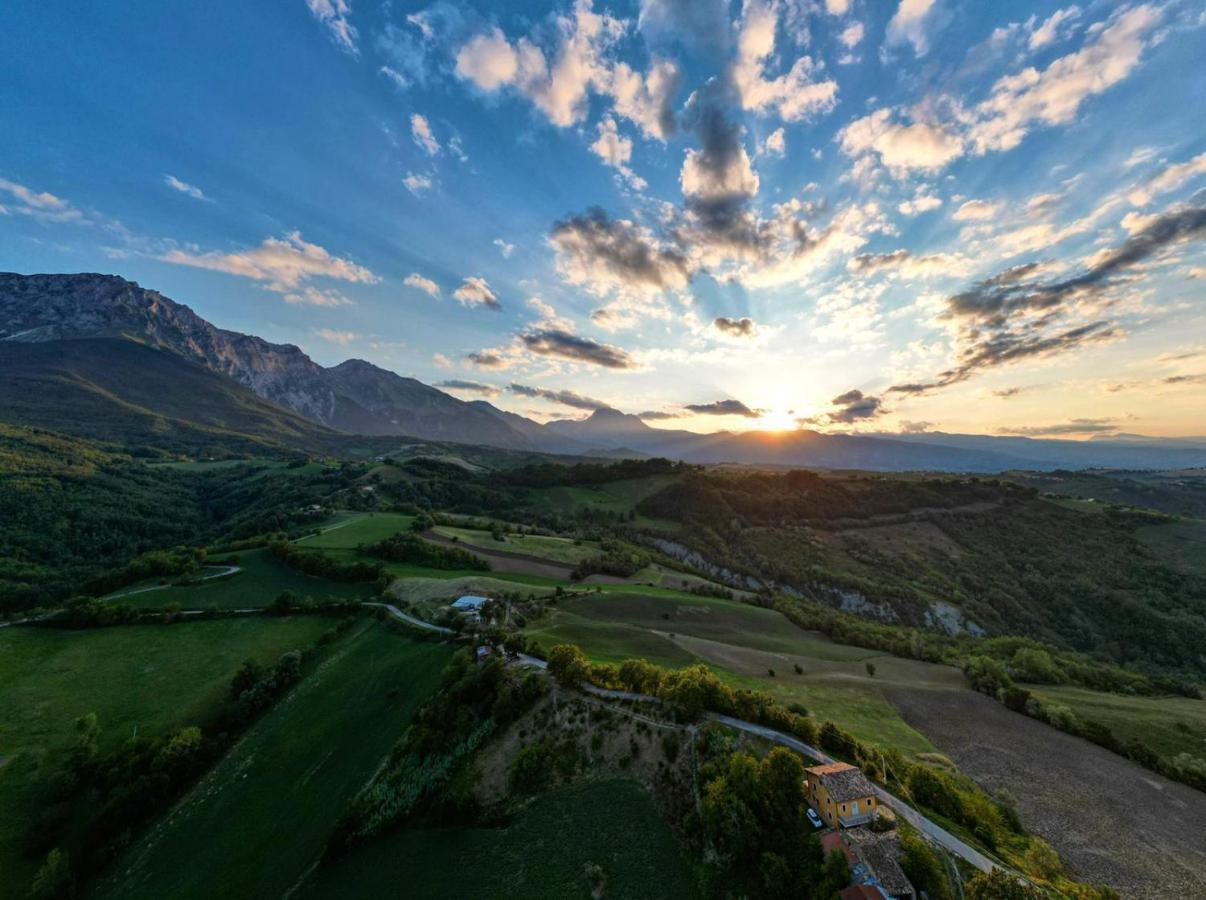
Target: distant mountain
{"x":354,"y":396}
{"x":118,"y":390}
{"x":1121,"y":452}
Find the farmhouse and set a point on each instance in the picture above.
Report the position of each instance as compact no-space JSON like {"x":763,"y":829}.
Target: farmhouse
{"x":879,"y":863}
{"x":469,"y":603}
{"x":841,"y":794}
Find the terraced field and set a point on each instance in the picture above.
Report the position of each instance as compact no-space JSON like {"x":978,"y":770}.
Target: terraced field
{"x":145,"y":679}
{"x":260,"y":818}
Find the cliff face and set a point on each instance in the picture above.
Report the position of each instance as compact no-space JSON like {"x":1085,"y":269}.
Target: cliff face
{"x":354,"y":396}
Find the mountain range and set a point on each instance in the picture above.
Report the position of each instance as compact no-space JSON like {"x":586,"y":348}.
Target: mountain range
{"x":127,"y":363}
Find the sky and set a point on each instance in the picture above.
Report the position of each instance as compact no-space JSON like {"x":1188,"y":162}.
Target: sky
{"x":834,"y":214}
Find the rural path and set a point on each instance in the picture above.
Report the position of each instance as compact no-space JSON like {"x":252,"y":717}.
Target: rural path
{"x":222,"y":572}
{"x":411,"y":620}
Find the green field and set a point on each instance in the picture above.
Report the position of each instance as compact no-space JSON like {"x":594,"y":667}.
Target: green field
{"x":557,"y":549}
{"x":349,"y":530}
{"x":542,"y":853}
{"x":262,"y":578}
{"x":261,"y":817}
{"x":147,"y":678}
{"x":615,"y":496}
{"x":1169,"y":725}
{"x":742,"y":643}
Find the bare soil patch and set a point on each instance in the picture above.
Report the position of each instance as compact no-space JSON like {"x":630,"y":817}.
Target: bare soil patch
{"x":506,"y":561}
{"x":1112,"y":821}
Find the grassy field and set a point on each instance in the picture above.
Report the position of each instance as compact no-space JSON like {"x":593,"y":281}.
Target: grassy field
{"x":262,"y":578}
{"x":139,"y":678}
{"x":743,"y":643}
{"x":1169,"y":725}
{"x":543,"y":853}
{"x":349,"y":530}
{"x":615,"y":497}
{"x":258,"y":820}
{"x":557,"y":549}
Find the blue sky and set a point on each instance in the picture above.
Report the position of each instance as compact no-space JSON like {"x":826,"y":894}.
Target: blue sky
{"x":832,"y":214}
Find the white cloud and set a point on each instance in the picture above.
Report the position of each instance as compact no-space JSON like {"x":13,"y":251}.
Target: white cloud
{"x":911,"y":23}
{"x":852,"y":35}
{"x":334,"y":15}
{"x":901,"y":148}
{"x":1139,"y":156}
{"x":184,"y":187}
{"x":1168,"y":179}
{"x":284,"y":264}
{"x":312,"y":296}
{"x":1050,"y":29}
{"x":974,"y":210}
{"x":420,"y":131}
{"x":36,"y":204}
{"x":616,"y":150}
{"x":342,"y":338}
{"x":400,"y":81}
{"x":1053,"y":96}
{"x":475,"y":291}
{"x":922,"y":201}
{"x":775,"y":144}
{"x":504,"y":248}
{"x":793,"y":95}
{"x":837,"y":7}
{"x":417,"y":183}
{"x":419,"y":282}
{"x":441,"y":361}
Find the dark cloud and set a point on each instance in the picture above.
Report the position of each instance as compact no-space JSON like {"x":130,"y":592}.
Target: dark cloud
{"x":855,"y":406}
{"x":724,"y":408}
{"x":993,"y":300}
{"x":915,"y":427}
{"x":1186,"y":379}
{"x":698,"y":24}
{"x":743,"y":327}
{"x":473,"y":387}
{"x":1006,"y":393}
{"x":554,"y":342}
{"x":597,"y":250}
{"x":653,"y":415}
{"x":1073,"y":426}
{"x":564,"y":397}
{"x":487,"y":359}
{"x":997,"y":349}
{"x":874,"y":262}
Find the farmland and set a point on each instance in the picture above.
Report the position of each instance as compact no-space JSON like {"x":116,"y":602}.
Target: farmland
{"x":349,"y":530}
{"x":556,"y":549}
{"x":254,"y":824}
{"x":541,"y":853}
{"x":137,"y":679}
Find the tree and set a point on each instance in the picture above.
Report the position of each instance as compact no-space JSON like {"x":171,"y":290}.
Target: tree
{"x":870,"y":670}
{"x":54,"y":879}
{"x":568,"y":665}
{"x":923,"y":867}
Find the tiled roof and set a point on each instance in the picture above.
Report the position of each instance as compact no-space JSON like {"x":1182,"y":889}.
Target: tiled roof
{"x":843,"y":781}
{"x":882,"y":855}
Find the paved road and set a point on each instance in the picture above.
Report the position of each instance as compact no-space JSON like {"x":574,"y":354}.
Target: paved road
{"x":411,"y":620}
{"x":222,"y":572}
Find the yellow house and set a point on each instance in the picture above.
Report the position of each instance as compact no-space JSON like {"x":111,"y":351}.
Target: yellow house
{"x":841,"y":794}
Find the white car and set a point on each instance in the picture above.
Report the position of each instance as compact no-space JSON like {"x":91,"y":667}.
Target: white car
{"x":815,"y":819}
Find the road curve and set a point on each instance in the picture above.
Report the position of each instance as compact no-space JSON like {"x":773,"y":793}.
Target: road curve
{"x":409,"y":619}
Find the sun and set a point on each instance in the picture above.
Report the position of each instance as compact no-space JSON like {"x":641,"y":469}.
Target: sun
{"x":776,"y":420}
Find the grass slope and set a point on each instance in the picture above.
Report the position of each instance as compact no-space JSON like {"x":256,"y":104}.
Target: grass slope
{"x":351,"y":529}
{"x":146,"y":678}
{"x":262,"y":578}
{"x":262,"y":815}
{"x":543,"y":853}
{"x":557,"y":549}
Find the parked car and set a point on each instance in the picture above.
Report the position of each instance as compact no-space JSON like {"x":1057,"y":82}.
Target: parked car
{"x":815,"y":819}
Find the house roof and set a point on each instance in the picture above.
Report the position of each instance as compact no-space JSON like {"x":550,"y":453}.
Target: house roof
{"x":881,"y":853}
{"x":833,"y":841}
{"x":861,"y":892}
{"x":470,"y":601}
{"x":843,"y":781}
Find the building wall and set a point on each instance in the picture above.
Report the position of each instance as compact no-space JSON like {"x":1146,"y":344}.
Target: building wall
{"x":830,"y":812}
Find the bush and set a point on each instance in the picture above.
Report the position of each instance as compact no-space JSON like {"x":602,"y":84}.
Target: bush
{"x":531,"y":771}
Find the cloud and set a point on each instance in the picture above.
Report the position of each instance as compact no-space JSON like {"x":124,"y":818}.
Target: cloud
{"x":907,"y":427}
{"x":912,"y":23}
{"x":183,"y":187}
{"x":852,"y":35}
{"x":417,"y":281}
{"x":743,"y":327}
{"x":564,"y":345}
{"x":1006,"y":393}
{"x":469,"y":387}
{"x":655,"y":415}
{"x":794,"y":95}
{"x":334,"y":15}
{"x":775,"y":144}
{"x":901,"y":148}
{"x":1169,"y":178}
{"x":1053,"y":96}
{"x":605,"y":255}
{"x":36,"y":204}
{"x":855,"y":406}
{"x":1050,"y":30}
{"x":974,"y":211}
{"x":564,"y":397}
{"x":420,"y":132}
{"x":581,"y":64}
{"x":1185,"y":379}
{"x":1072,"y":426}
{"x":700,"y":24}
{"x":417,"y":183}
{"x":488,"y":359}
{"x":504,"y":248}
{"x":724,"y":408}
{"x":441,"y":361}
{"x":313,"y":296}
{"x":342,"y":338}
{"x":283,"y":263}
{"x":910,"y":266}
{"x":474,"y":291}
{"x":616,"y":150}
{"x":400,"y":81}
{"x":922,"y":201}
